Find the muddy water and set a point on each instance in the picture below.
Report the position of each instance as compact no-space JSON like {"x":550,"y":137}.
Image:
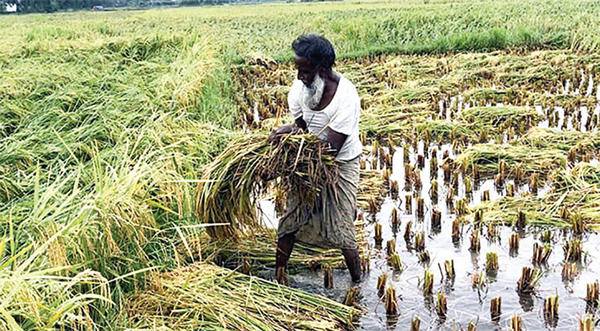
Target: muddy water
{"x":463,"y":301}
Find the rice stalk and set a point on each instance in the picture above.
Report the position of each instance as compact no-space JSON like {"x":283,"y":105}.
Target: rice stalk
{"x":528,"y":281}
{"x":551,"y":309}
{"x":427,"y":283}
{"x":516,"y":323}
{"x":441,"y":306}
{"x":232,"y":182}
{"x":496,"y":309}
{"x":381,"y":283}
{"x":391,"y":302}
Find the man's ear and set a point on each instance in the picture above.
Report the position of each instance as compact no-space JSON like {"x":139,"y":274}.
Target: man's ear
{"x":321,"y":71}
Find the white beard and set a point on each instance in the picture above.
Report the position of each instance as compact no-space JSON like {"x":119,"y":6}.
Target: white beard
{"x":314,"y":93}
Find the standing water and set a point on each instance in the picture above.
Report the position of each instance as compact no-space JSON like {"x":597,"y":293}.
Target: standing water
{"x":470,"y":292}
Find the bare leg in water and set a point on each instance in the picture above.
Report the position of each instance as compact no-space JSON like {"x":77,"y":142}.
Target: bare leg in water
{"x":285,"y":245}
{"x":353,"y":262}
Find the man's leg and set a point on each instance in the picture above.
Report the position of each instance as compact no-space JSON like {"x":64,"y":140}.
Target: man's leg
{"x":353,"y":262}
{"x":285,"y":245}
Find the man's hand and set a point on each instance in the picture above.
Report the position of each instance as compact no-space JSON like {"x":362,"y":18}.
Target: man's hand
{"x":284,"y":129}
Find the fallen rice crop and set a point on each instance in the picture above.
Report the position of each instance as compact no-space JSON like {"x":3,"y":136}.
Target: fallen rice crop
{"x":186,"y":297}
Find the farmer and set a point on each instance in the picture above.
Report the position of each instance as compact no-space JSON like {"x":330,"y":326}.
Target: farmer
{"x":325,"y":103}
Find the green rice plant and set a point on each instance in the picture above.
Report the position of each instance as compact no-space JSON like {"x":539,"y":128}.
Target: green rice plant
{"x":503,"y":117}
{"x":491,"y":263}
{"x":427,"y":283}
{"x":486,"y":157}
{"x":37,"y":295}
{"x":371,"y":190}
{"x":396,"y":262}
{"x":441,"y":306}
{"x":259,"y":250}
{"x":564,"y":140}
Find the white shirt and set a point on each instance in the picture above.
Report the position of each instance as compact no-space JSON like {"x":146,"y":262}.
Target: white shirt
{"x":341,"y":115}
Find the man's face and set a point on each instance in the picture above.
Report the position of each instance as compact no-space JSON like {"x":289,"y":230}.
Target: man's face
{"x":306,"y":73}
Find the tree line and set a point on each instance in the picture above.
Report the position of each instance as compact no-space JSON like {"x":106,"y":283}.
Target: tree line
{"x":48,"y":6}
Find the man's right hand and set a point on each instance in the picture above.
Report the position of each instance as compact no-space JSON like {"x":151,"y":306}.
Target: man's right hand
{"x":284,"y":129}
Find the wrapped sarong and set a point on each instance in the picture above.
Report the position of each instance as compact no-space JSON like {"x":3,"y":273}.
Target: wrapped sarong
{"x":330,"y":223}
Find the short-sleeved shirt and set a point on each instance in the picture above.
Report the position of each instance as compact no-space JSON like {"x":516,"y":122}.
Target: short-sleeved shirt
{"x":341,"y":115}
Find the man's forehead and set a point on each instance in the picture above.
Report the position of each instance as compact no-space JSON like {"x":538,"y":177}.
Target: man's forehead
{"x":302,"y":61}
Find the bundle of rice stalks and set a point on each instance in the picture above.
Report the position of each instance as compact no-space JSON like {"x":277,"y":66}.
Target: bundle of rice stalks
{"x":564,"y":140}
{"x":231,"y":183}
{"x":584,"y":176}
{"x":500,"y":117}
{"x":486,"y":158}
{"x":445,"y":130}
{"x":203,"y":296}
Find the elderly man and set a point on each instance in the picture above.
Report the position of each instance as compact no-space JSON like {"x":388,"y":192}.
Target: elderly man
{"x":325,"y":103}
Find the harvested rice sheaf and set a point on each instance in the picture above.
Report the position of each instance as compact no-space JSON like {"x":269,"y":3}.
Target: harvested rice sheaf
{"x":204,"y":296}
{"x":232,"y":182}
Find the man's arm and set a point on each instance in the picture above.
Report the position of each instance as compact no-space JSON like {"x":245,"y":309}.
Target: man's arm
{"x":288,"y":128}
{"x":301,"y":124}
{"x":336,"y":140}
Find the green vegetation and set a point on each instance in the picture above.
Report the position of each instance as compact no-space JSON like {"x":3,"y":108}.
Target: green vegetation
{"x":107,"y":121}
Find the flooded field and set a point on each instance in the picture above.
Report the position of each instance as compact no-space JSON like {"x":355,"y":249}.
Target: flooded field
{"x":470,"y":291}
{"x":459,"y":224}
